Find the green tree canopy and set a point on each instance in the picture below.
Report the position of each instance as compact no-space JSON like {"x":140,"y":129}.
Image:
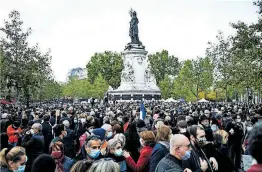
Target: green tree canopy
{"x":161,"y":64}
{"x":109,"y":65}
{"x":26,"y":66}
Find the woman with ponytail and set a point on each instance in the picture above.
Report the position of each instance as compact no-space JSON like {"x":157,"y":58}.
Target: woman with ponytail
{"x":13,"y":160}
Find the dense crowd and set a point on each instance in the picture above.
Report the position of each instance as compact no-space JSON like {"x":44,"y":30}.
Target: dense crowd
{"x":119,"y":137}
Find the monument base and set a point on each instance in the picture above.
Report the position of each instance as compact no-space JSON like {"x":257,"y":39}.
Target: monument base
{"x":135,"y":95}
{"x":136,"y":81}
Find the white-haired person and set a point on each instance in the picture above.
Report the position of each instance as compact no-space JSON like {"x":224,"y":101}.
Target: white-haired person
{"x":103,"y":165}
{"x":109,"y":132}
{"x":115,"y":151}
{"x":34,"y":143}
{"x":179,"y":150}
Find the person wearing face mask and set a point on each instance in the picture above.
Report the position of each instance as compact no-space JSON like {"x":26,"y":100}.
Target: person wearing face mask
{"x":34,"y":143}
{"x":115,"y":151}
{"x":108,"y":129}
{"x":69,"y":140}
{"x":13,"y":160}
{"x":47,"y":132}
{"x":204,"y":122}
{"x":249,"y":127}
{"x":179,"y":150}
{"x":13,"y":131}
{"x":91,"y":150}
{"x":182,"y":125}
{"x":60,"y":133}
{"x":147,"y":141}
{"x":162,"y":146}
{"x":63,"y":163}
{"x":236,"y":133}
{"x":89,"y":128}
{"x":102,"y":134}
{"x":198,"y":160}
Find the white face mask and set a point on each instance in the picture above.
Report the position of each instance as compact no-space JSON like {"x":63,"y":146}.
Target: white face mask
{"x":182,"y":130}
{"x":249,"y":128}
{"x":141,"y":142}
{"x":83,"y":120}
{"x":32,"y":131}
{"x":238,"y":120}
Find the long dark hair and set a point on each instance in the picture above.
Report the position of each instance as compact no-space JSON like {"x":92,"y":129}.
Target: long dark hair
{"x":131,"y":132}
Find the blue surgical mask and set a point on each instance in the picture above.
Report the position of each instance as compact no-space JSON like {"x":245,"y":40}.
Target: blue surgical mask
{"x":118,"y":152}
{"x":94,"y":153}
{"x":214,"y":128}
{"x":21,"y":168}
{"x":109,"y":134}
{"x":187,"y":155}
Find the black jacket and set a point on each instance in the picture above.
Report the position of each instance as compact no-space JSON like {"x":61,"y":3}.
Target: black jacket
{"x":34,"y":145}
{"x":224,"y":163}
{"x":47,"y":133}
{"x":193,"y":163}
{"x":4,"y":124}
{"x":69,"y":139}
{"x":169,"y":163}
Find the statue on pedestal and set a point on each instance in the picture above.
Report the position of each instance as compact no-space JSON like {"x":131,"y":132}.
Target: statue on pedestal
{"x":133,"y":30}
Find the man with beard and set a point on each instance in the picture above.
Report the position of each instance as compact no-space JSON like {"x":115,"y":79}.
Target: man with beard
{"x":198,"y":160}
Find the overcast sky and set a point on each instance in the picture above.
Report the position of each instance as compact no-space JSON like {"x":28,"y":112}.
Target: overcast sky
{"x":75,"y":29}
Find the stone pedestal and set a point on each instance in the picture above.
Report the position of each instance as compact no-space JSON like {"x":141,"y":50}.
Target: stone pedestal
{"x":137,"y":83}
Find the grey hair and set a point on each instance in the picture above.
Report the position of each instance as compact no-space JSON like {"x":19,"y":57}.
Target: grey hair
{"x":112,"y":144}
{"x":122,"y":138}
{"x":38,"y":126}
{"x":105,"y":165}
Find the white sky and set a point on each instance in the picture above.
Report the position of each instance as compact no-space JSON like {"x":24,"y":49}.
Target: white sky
{"x":76,"y":29}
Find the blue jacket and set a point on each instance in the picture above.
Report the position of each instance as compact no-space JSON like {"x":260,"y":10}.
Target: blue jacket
{"x":68,"y":163}
{"x":159,"y":152}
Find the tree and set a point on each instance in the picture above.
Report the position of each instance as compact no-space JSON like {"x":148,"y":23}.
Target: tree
{"x":109,"y":65}
{"x":202,"y":75}
{"x":162,"y":64}
{"x":100,"y":86}
{"x":223,"y":61}
{"x":195,"y":76}
{"x":166,"y":87}
{"x":184,"y":83}
{"x":51,"y":90}
{"x":26,"y":66}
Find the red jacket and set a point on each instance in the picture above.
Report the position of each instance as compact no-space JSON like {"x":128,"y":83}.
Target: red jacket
{"x":142,"y":164}
{"x":11,"y":132}
{"x":255,"y":168}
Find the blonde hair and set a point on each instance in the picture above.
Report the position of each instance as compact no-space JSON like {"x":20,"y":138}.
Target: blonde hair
{"x":163,"y":133}
{"x":83,"y":115}
{"x":6,"y":156}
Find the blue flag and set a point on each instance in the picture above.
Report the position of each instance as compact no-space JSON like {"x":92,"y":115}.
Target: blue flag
{"x":142,"y":111}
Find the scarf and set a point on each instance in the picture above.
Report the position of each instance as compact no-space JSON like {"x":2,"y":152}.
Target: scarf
{"x":166,"y":144}
{"x":58,"y":161}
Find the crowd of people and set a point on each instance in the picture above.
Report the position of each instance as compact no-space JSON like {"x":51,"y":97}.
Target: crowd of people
{"x":177,"y":137}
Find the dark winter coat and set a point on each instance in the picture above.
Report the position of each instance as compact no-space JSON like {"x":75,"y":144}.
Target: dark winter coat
{"x":159,"y":152}
{"x":169,"y":164}
{"x":47,"y":133}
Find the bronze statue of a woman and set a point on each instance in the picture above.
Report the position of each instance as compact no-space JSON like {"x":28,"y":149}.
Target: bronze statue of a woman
{"x":133,"y":30}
